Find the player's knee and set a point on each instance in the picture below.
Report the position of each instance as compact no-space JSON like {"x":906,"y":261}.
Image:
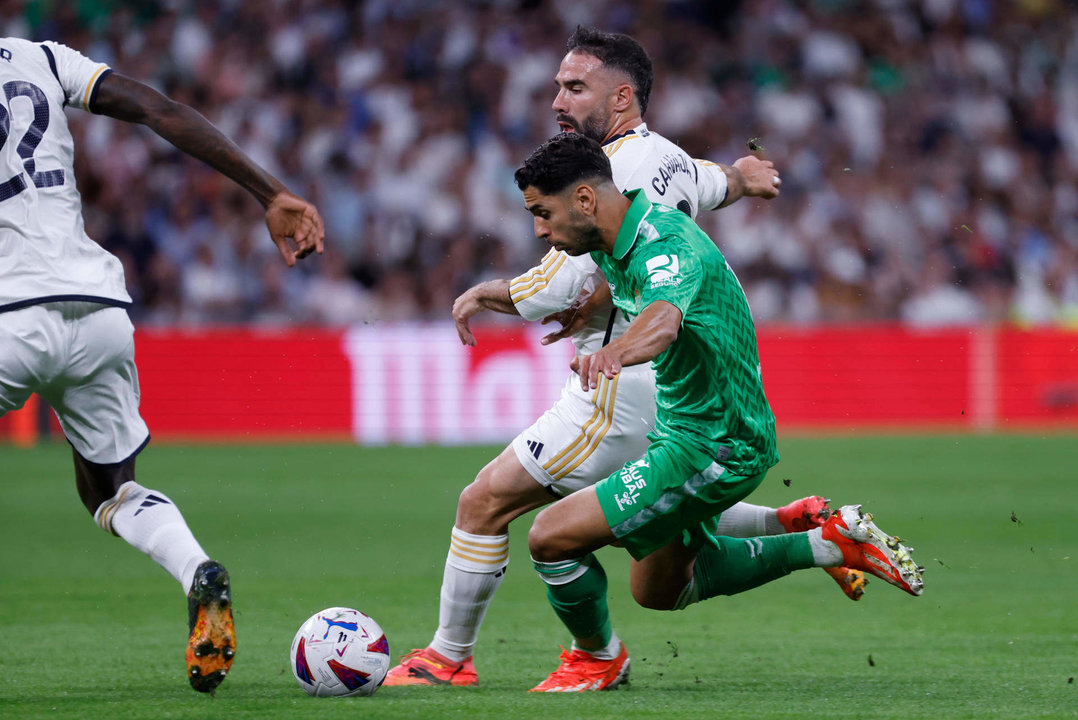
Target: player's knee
{"x":540,"y":546}
{"x":545,"y":543}
{"x":478,"y":508}
{"x":653,"y":598}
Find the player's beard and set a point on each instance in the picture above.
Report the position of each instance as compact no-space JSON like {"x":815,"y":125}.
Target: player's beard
{"x":584,"y":232}
{"x":594,"y":126}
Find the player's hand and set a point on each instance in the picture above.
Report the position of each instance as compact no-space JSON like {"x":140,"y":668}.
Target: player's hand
{"x":290,"y":217}
{"x":760,"y":176}
{"x":464,"y":307}
{"x":589,"y":367}
{"x":572,"y":319}
{"x":577,"y":315}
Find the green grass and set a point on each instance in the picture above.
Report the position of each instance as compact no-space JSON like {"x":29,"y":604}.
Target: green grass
{"x":89,"y":628}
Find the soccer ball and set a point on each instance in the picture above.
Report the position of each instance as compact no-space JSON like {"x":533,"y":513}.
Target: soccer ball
{"x":340,"y":652}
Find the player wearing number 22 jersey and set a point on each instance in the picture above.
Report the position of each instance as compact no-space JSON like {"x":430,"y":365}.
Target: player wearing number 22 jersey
{"x":64,"y":330}
{"x":45,"y":253}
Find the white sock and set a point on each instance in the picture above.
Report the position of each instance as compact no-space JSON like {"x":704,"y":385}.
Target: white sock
{"x":824,"y":552}
{"x":745,"y":520}
{"x":474,"y":569}
{"x":152,"y":523}
{"x":611,"y":651}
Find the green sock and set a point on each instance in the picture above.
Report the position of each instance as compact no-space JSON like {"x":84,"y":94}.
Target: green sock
{"x":576,"y":590}
{"x":736,"y":565}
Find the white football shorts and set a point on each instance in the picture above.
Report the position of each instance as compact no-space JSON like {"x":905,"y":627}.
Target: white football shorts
{"x":80,"y":358}
{"x":585,"y":436}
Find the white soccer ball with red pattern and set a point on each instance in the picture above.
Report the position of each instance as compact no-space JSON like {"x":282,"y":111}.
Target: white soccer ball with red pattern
{"x":340,"y":652}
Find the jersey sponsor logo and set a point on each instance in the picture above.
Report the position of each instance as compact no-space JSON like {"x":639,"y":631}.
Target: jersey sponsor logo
{"x":663,"y":270}
{"x":536,"y":447}
{"x":634,"y":482}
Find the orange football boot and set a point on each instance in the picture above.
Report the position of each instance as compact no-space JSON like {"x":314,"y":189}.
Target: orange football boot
{"x":427,"y":667}
{"x":813,"y":511}
{"x":581,"y":672}
{"x":865,"y":547}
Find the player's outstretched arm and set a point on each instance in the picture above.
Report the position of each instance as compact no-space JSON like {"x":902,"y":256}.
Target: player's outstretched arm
{"x":489,"y":295}
{"x":288,"y":216}
{"x":750,"y":177}
{"x":648,"y":335}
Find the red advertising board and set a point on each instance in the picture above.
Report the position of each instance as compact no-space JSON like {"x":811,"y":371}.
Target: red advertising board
{"x":418,"y":384}
{"x":857,"y":376}
{"x":233,"y":383}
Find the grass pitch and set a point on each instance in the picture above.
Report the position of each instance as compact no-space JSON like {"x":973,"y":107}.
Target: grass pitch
{"x":89,"y":628}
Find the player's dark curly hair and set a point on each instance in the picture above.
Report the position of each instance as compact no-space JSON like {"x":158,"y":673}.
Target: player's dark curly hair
{"x":561,"y":161}
{"x":620,"y":52}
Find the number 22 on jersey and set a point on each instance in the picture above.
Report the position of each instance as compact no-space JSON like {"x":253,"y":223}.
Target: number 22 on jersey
{"x":29,"y":141}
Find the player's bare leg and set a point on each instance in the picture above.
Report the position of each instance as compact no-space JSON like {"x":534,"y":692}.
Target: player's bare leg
{"x":573,"y":526}
{"x":150,"y":522}
{"x":500,"y":493}
{"x":657,"y":581}
{"x":475,"y":565}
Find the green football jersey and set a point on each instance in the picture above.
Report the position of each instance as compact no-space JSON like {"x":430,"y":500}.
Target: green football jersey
{"x":709,"y":391}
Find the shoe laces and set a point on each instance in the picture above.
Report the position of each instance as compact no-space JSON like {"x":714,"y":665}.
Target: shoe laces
{"x":418,"y":654}
{"x":574,"y":663}
{"x":413,"y":655}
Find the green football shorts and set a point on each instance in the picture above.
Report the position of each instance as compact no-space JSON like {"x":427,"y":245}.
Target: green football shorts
{"x":673,"y":491}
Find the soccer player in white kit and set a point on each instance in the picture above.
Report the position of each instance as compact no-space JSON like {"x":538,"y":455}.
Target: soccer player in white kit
{"x":64,"y":330}
{"x":604,"y":82}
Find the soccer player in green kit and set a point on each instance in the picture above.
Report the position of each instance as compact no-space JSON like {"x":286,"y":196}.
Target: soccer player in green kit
{"x":714,"y":437}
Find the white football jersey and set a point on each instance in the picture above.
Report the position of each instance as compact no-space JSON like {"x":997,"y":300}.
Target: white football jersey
{"x":45,"y":254}
{"x":639,"y":159}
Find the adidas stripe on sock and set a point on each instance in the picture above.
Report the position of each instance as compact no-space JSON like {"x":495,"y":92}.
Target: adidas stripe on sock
{"x":152,"y":523}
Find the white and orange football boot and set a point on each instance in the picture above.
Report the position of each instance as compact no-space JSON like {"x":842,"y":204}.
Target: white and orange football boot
{"x":581,"y":672}
{"x":427,"y":667}
{"x":865,"y":547}
{"x":813,"y":511}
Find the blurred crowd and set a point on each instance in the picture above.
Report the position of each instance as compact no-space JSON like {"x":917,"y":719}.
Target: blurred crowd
{"x":928,"y":149}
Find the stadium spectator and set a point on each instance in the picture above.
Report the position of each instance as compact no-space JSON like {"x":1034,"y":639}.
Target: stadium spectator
{"x":903,"y":127}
